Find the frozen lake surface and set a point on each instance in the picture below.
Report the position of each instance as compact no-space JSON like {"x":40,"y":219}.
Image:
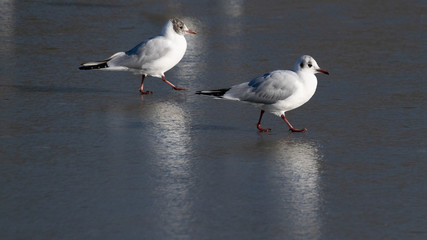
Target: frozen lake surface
{"x":84,"y":156}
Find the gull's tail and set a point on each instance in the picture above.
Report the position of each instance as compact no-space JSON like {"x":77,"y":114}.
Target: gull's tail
{"x":94,"y":65}
{"x":217,"y":93}
{"x":100,"y":64}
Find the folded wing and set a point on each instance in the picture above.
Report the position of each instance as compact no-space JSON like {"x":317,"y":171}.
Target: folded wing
{"x":267,"y":89}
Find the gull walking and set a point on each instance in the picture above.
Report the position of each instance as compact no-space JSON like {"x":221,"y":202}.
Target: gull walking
{"x":152,"y":57}
{"x":276,"y":92}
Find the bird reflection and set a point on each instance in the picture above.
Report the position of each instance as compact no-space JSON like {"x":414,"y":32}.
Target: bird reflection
{"x":296,"y":178}
{"x":170,"y":141}
{"x":171,"y":129}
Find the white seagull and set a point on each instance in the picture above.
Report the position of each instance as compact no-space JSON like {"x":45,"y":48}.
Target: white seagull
{"x":152,"y":57}
{"x":276,"y":92}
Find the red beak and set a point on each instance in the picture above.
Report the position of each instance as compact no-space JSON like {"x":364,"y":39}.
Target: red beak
{"x":191,"y":31}
{"x":322,"y":71}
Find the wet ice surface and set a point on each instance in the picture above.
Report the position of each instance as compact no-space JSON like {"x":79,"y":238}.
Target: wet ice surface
{"x":84,"y":156}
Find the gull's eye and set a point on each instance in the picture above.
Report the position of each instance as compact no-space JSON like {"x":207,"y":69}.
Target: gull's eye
{"x":310,"y":65}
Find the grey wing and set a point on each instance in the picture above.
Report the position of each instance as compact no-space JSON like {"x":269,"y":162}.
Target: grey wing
{"x":145,"y":52}
{"x":267,"y":89}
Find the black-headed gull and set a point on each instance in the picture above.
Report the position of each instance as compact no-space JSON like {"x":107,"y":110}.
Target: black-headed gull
{"x":276,"y":92}
{"x":152,"y":57}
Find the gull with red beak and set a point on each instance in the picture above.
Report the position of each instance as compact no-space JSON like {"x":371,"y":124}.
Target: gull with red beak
{"x":276,"y":92}
{"x":152,"y":57}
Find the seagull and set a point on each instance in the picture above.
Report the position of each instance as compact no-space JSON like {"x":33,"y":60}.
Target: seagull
{"x":152,"y":57}
{"x":276,"y":92}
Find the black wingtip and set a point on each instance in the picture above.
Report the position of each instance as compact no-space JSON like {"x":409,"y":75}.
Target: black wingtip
{"x":216,"y":93}
{"x":90,"y":67}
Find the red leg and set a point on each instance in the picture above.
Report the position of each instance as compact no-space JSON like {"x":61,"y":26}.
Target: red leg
{"x":259,"y":124}
{"x":170,"y":84}
{"x":290,"y":126}
{"x":142,"y":86}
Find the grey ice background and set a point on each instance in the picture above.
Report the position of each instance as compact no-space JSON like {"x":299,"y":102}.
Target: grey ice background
{"x":84,"y":156}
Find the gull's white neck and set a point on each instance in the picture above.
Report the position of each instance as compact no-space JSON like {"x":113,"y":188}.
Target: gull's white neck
{"x":169,"y":32}
{"x":309,"y":81}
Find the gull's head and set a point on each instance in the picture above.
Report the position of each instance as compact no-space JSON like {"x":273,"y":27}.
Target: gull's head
{"x":308,"y":64}
{"x":179,"y":27}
